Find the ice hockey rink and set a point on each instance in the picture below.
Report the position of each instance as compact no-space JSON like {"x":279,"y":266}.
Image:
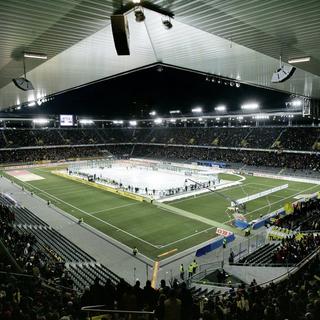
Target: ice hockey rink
{"x":145,"y":178}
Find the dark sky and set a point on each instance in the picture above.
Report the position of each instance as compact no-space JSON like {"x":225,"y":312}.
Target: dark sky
{"x":135,"y":94}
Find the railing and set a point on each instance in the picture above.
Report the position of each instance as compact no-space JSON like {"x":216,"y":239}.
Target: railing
{"x":290,"y":270}
{"x":121,"y":314}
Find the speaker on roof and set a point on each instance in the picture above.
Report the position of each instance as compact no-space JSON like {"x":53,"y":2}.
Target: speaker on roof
{"x":23,"y":84}
{"x":283,"y":73}
{"x":120,"y":31}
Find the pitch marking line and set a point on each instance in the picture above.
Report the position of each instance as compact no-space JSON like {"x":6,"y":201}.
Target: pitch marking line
{"x":102,"y":221}
{"x":113,"y":208}
{"x":187,"y":237}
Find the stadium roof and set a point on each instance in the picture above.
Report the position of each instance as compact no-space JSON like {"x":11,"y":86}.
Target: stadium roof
{"x":236,"y":39}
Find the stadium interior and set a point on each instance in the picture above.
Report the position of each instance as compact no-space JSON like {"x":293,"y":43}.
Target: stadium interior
{"x":160,"y":160}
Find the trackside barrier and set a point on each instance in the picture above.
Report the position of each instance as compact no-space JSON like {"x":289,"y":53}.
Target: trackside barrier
{"x":104,"y":187}
{"x":214,"y":245}
{"x":127,"y":314}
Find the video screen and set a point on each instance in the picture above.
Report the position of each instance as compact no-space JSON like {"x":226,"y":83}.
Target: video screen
{"x":66,"y":120}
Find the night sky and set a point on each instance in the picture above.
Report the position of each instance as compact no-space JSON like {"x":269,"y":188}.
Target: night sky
{"x":135,"y":95}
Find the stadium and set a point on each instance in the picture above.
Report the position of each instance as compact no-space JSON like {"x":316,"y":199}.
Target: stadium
{"x":159,"y":160}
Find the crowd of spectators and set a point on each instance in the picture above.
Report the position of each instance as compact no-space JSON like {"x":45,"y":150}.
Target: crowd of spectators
{"x":283,"y":138}
{"x":28,"y":297}
{"x":295,"y":248}
{"x":305,"y":217}
{"x":275,"y":159}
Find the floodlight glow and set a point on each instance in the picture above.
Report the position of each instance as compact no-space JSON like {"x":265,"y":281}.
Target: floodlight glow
{"x":173,"y":120}
{"x":299,"y":60}
{"x":174,"y":111}
{"x":117,"y":122}
{"x":133,"y":123}
{"x":296,"y":103}
{"x":39,"y":102}
{"x":218,"y":119}
{"x":86,"y":121}
{"x":197,"y":110}
{"x":40,"y":121}
{"x":200,"y":119}
{"x":31,"y":104}
{"x":136,"y":1}
{"x":152,"y":113}
{"x":220,"y":108}
{"x":158,"y":121}
{"x":18,"y":108}
{"x":250,"y":106}
{"x":240,"y":117}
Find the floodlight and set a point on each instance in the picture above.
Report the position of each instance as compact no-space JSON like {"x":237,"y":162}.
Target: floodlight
{"x":40,"y":121}
{"x":261,"y":117}
{"x":117,"y":122}
{"x":197,"y":110}
{"x":220,"y":108}
{"x":167,"y":23}
{"x":200,"y":119}
{"x":86,"y":121}
{"x":299,"y":60}
{"x":34,"y":55}
{"x":296,"y":103}
{"x":250,"y":106}
{"x":133,"y":123}
{"x":138,"y":12}
{"x":173,"y":120}
{"x":31,"y":104}
{"x":174,"y":111}
{"x":152,"y":113}
{"x":136,"y":1}
{"x":158,"y":121}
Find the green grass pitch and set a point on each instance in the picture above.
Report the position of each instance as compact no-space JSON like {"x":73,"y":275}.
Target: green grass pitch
{"x":153,"y":230}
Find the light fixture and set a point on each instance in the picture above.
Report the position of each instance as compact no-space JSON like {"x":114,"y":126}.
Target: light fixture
{"x":152,"y":113}
{"x":296,"y":103}
{"x":220,"y":108}
{"x":31,"y":104}
{"x":173,"y":120}
{"x":86,"y":121}
{"x":138,"y":12}
{"x":299,"y":60}
{"x":34,"y":55}
{"x":197,"y":110}
{"x":261,"y":117}
{"x":200,"y":119}
{"x":133,"y":123}
{"x":136,"y":1}
{"x":167,"y":23}
{"x":174,"y":111}
{"x":238,"y":84}
{"x":250,"y":106}
{"x":40,"y":121}
{"x":117,"y":122}
{"x":158,"y":121}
